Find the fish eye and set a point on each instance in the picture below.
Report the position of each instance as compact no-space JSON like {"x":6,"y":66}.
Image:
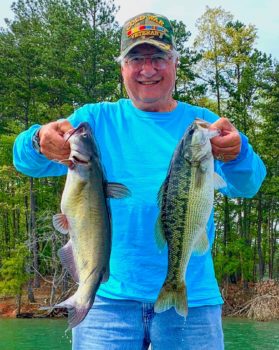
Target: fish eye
{"x":84,"y":135}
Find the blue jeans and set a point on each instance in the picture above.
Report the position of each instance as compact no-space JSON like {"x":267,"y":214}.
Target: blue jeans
{"x":131,"y":325}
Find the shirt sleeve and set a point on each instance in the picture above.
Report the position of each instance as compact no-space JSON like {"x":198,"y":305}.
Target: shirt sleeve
{"x":243,"y":175}
{"x":29,"y":162}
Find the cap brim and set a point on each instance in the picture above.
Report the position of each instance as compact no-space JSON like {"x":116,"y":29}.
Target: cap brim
{"x":160,"y":45}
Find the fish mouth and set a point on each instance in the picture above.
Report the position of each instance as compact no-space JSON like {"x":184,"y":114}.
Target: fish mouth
{"x":203,"y":123}
{"x":82,"y":128}
{"x":79,"y":158}
{"x":79,"y":161}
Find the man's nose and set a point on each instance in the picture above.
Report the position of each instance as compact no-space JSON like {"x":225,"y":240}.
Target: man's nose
{"x":147,"y":67}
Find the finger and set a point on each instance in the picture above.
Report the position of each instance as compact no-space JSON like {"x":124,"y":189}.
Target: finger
{"x":228,"y":140}
{"x":228,"y":150}
{"x":225,"y":157}
{"x":56,"y":156}
{"x":50,"y":139}
{"x":52,"y":150}
{"x":64,"y":126}
{"x":223,"y":124}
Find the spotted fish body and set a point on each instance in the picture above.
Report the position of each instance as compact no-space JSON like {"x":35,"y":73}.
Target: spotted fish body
{"x":86,"y":218}
{"x":185,"y":201}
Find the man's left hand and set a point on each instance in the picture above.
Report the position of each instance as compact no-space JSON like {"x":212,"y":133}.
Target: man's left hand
{"x":226,"y":146}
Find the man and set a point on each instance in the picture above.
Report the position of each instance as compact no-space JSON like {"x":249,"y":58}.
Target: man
{"x":137,"y":137}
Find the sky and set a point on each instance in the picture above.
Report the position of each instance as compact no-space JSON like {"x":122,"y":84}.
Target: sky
{"x":264,"y":14}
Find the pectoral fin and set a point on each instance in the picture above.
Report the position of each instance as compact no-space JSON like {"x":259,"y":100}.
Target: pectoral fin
{"x":116,"y":190}
{"x":160,"y":237}
{"x":60,"y":223}
{"x":66,"y":256}
{"x":219,"y":182}
{"x":161,"y":193}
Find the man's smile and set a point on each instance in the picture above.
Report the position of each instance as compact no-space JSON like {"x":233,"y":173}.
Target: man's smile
{"x":152,"y":82}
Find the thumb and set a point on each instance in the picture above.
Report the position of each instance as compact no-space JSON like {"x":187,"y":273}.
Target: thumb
{"x":224,"y":125}
{"x":63,"y":126}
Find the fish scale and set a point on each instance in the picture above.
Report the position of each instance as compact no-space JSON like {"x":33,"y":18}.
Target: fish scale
{"x":175,"y":224}
{"x":185,"y":201}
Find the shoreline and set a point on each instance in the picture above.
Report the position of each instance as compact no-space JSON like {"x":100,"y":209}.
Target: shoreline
{"x":260,"y":302}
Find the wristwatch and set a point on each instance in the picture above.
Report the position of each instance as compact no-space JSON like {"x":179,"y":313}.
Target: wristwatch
{"x":36,"y":141}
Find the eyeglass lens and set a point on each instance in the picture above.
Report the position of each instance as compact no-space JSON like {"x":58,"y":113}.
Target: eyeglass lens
{"x":158,"y":61}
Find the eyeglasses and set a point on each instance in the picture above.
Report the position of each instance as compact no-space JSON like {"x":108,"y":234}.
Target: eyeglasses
{"x":158,"y":61}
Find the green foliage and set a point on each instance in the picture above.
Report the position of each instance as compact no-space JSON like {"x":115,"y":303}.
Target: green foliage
{"x":186,"y":87}
{"x":57,"y":55}
{"x":12,"y":271}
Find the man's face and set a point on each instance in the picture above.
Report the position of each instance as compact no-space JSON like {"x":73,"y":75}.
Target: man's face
{"x":149,"y":88}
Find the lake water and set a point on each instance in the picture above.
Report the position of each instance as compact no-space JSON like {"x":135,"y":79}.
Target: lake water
{"x":49,"y":334}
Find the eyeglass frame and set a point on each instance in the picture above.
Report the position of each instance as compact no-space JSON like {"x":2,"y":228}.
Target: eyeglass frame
{"x":167,"y":58}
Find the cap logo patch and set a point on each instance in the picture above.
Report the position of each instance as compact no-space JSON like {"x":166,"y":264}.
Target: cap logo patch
{"x":146,"y":30}
{"x":141,"y":18}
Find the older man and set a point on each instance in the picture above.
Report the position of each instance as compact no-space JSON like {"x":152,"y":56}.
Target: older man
{"x":137,"y":137}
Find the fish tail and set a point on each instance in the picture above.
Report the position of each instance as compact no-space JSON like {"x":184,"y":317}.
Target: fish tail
{"x":170,"y":297}
{"x":76,"y":312}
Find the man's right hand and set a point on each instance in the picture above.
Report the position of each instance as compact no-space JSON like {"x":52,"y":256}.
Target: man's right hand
{"x":52,"y":143}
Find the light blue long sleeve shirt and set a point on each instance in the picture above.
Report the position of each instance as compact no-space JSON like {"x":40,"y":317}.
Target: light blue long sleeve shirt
{"x":136,"y":148}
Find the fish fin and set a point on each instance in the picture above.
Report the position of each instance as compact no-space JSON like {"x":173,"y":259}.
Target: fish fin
{"x":219,"y":182}
{"x":76,"y":313}
{"x":160,"y":237}
{"x":172,"y":298}
{"x":116,"y":190}
{"x":161,"y":193}
{"x":60,"y":223}
{"x":66,"y":256}
{"x":202,"y":245}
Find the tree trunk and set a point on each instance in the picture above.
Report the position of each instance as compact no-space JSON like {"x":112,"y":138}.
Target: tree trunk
{"x":30,"y":293}
{"x":33,"y":235}
{"x":54,"y":269}
{"x":226,"y":223}
{"x":259,"y":238}
{"x":18,"y":303}
{"x":246,"y":239}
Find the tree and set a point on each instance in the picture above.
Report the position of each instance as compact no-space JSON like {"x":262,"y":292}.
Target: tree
{"x":13,"y":274}
{"x":55,"y":56}
{"x":235,"y":72}
{"x":210,"y":40}
{"x":268,"y":106}
{"x":186,"y":86}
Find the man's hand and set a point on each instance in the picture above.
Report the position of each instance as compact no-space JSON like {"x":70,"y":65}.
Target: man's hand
{"x":226,"y":146}
{"x":52,"y":143}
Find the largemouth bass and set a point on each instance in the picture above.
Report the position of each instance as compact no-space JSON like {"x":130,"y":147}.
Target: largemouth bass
{"x":185,"y":201}
{"x":86,"y":217}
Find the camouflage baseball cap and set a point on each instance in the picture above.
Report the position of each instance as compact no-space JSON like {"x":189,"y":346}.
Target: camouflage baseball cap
{"x":147,"y":28}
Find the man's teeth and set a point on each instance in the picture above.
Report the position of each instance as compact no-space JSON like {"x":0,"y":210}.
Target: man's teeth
{"x":148,"y":82}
